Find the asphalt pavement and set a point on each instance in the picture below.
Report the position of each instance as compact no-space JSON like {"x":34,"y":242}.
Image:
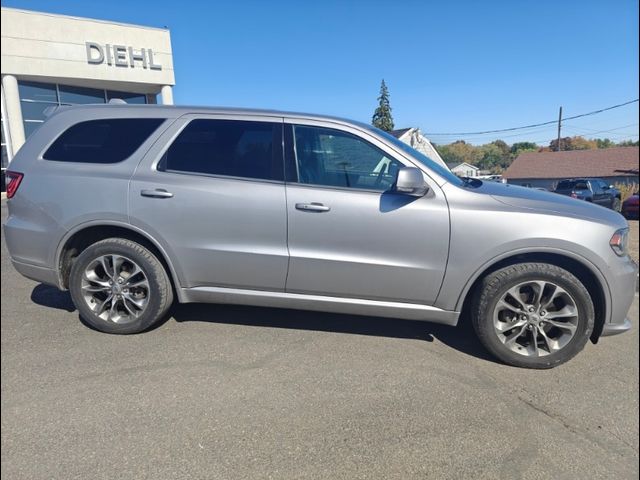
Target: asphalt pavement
{"x":231,"y":392}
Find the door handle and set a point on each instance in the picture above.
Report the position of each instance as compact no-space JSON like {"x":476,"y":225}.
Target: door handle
{"x":312,"y":207}
{"x":157,"y":193}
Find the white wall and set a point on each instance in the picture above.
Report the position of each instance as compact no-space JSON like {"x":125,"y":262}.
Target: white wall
{"x":38,"y":44}
{"x":465,"y":171}
{"x":416,"y":140}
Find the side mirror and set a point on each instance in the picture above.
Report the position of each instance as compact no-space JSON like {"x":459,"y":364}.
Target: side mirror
{"x":411,"y":182}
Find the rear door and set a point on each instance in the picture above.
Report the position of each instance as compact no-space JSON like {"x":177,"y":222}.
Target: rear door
{"x":349,"y":235}
{"x":211,"y":191}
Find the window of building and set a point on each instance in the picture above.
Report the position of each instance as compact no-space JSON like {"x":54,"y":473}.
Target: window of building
{"x":136,"y":98}
{"x":335,"y":158}
{"x":227,"y":147}
{"x":79,"y":95}
{"x":102,"y":141}
{"x":35,"y":97}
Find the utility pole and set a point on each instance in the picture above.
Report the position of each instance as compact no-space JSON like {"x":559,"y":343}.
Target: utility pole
{"x":558,"y":147}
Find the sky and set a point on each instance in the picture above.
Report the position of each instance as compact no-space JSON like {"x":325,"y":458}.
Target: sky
{"x":454,"y":66}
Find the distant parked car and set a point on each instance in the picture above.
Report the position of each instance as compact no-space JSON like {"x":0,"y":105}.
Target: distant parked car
{"x":490,"y":178}
{"x":528,"y":185}
{"x":630,"y":206}
{"x":594,"y":190}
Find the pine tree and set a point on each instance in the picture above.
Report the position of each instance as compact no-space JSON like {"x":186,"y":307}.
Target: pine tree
{"x":382,"y":118}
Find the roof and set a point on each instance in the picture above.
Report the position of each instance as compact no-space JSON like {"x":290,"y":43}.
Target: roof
{"x":174,"y":111}
{"x":400,"y":132}
{"x":605,"y":162}
{"x":453,"y":165}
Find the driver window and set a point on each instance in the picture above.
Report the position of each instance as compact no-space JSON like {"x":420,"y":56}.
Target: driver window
{"x":338,"y":159}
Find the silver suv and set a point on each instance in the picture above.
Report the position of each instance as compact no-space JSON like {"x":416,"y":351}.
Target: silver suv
{"x":129,"y":207}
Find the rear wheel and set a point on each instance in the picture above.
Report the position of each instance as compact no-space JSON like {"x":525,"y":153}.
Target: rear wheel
{"x":533,"y":315}
{"x":119,"y":286}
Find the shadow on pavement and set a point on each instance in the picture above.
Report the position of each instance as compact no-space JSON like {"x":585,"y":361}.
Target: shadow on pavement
{"x":49,"y":296}
{"x":461,"y":338}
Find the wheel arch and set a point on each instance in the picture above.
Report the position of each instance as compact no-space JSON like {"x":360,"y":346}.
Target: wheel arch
{"x":586,"y":272}
{"x":82,"y":237}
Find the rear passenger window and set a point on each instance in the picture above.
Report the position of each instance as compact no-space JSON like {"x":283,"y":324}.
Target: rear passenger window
{"x":227,"y":147}
{"x":102,"y":141}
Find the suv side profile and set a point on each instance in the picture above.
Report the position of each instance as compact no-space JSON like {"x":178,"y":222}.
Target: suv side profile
{"x":129,"y":207}
{"x":594,"y":190}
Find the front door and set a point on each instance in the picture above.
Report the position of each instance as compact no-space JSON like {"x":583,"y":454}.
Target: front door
{"x":211,"y":191}
{"x":349,"y":236}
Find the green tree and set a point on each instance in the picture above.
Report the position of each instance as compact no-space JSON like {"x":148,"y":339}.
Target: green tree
{"x":503,"y":146}
{"x":491,"y":156}
{"x":519,"y":147}
{"x":605,"y":143}
{"x":573,"y":143}
{"x":382,"y":118}
{"x":460,"y":151}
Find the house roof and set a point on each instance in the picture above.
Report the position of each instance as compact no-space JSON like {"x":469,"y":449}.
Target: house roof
{"x":605,"y":162}
{"x":400,"y":132}
{"x":453,"y":165}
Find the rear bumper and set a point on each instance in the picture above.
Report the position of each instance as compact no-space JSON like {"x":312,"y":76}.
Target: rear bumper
{"x":39,"y":274}
{"x":616,"y":328}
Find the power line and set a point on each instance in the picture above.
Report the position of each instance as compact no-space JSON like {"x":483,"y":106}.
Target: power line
{"x":590,"y":131}
{"x":537,"y":124}
{"x":502,"y":137}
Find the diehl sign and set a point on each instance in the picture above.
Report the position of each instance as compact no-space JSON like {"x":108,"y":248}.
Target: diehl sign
{"x":120,"y":56}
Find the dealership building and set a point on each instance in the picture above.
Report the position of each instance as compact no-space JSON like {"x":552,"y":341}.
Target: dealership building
{"x":50,"y":59}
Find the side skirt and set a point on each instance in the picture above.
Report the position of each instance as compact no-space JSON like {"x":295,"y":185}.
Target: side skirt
{"x":352,"y":306}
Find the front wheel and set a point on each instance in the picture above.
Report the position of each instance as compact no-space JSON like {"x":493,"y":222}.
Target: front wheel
{"x":533,"y":315}
{"x":119,"y":286}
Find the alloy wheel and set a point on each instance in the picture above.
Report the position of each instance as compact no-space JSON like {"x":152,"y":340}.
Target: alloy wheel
{"x":115,"y":288}
{"x":535,"y":318}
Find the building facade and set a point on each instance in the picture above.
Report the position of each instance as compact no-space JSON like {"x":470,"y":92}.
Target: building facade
{"x":50,"y":59}
{"x":618,"y":165}
{"x":464,"y":169}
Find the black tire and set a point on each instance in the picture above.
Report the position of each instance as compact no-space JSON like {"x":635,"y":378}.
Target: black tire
{"x":496,"y":284}
{"x":160,"y":295}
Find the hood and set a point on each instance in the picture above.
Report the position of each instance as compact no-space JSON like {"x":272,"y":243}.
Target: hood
{"x":549,"y":202}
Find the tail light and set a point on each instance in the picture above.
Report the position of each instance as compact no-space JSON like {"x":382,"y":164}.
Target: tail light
{"x":574,"y":195}
{"x":13,"y":182}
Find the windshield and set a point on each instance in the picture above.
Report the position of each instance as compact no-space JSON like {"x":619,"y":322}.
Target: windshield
{"x":421,"y":157}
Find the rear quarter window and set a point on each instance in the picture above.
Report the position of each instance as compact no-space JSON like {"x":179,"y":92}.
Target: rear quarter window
{"x":566,"y":185}
{"x":110,"y":140}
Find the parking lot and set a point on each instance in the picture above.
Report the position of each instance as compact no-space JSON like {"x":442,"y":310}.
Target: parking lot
{"x":239,"y":392}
